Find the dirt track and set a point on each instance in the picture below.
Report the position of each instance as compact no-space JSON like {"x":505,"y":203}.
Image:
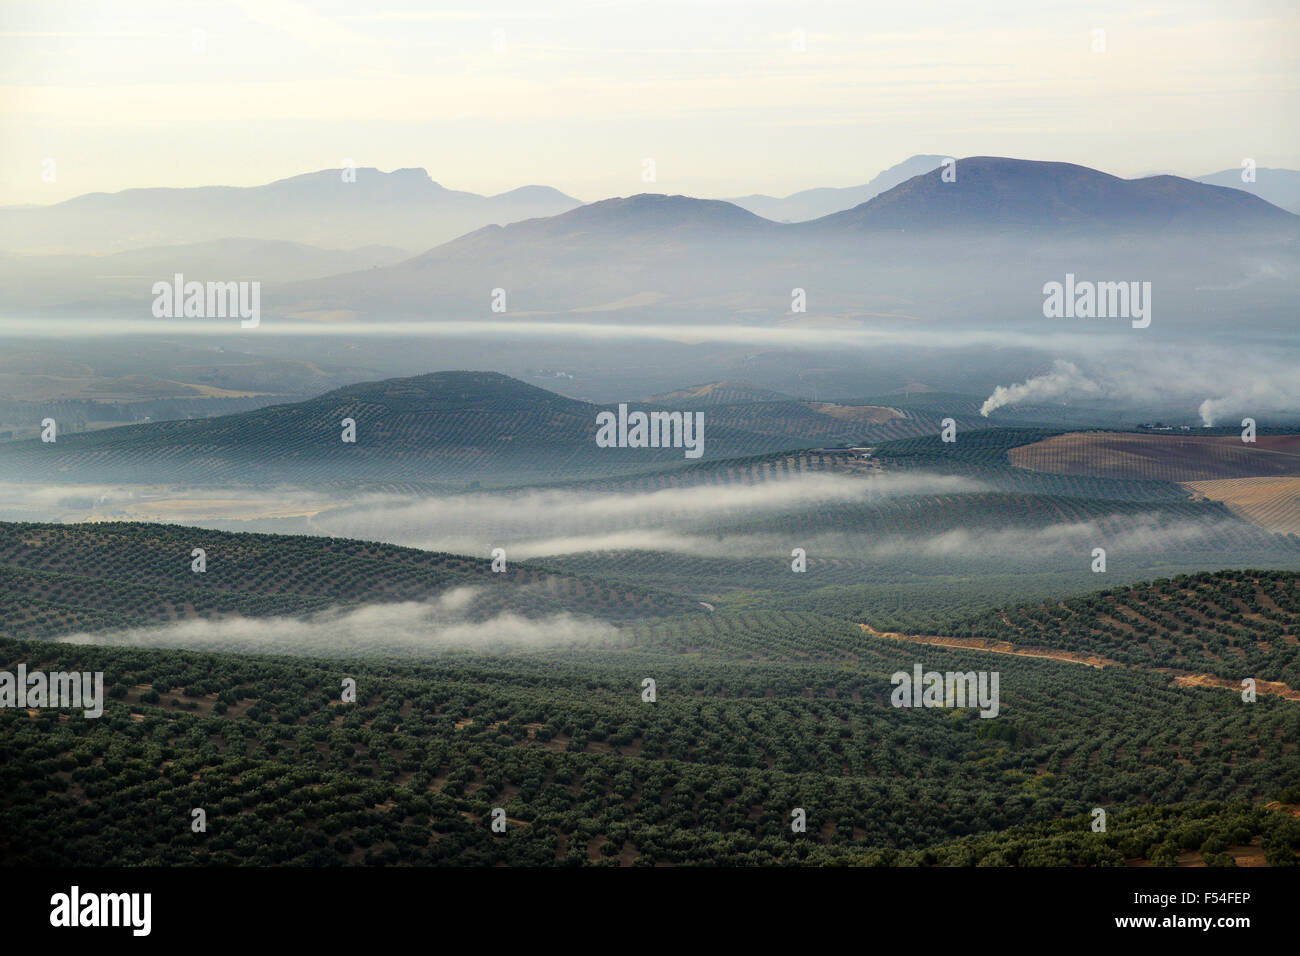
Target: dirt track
{"x":1089,"y":660}
{"x":992,"y":647}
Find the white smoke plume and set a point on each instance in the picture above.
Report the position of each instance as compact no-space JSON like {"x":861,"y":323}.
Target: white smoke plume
{"x":1212,"y":383}
{"x":1064,"y":379}
{"x":1257,"y":396}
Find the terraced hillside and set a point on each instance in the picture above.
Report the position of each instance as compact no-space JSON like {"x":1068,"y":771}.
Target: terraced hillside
{"x":63,"y":578}
{"x":924,"y":528}
{"x":1230,"y":625}
{"x":756,"y":715}
{"x":985,"y":454}
{"x":849,"y":545}
{"x":1185,"y":835}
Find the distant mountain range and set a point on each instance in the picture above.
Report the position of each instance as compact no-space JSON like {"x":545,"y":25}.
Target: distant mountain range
{"x":1004,"y":222}
{"x":404,"y":208}
{"x":623,"y":255}
{"x":815,"y":203}
{"x":1281,"y":187}
{"x":995,"y":192}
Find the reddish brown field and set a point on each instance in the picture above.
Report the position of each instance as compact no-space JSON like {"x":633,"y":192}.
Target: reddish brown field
{"x":1161,"y":457}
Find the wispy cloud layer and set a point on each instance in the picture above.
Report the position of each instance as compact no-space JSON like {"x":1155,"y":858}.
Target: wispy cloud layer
{"x":403,"y":628}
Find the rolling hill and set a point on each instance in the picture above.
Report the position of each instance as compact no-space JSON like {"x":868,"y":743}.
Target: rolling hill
{"x":718,"y":393}
{"x":444,"y":426}
{"x":59,"y":579}
{"x":756,"y":713}
{"x":1161,"y":457}
{"x":1226,"y":625}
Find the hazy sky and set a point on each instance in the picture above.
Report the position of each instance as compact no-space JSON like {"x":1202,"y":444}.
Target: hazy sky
{"x":577,"y":93}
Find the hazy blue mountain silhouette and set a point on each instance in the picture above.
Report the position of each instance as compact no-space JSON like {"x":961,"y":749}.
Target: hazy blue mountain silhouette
{"x":404,"y":208}
{"x":996,"y":193}
{"x":822,"y":201}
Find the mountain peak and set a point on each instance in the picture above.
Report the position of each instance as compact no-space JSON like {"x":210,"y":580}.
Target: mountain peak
{"x":659,"y":210}
{"x":998,"y":192}
{"x":533,"y":192}
{"x":436,"y":390}
{"x":622,"y":219}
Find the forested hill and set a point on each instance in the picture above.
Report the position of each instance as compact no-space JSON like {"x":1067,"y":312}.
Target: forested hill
{"x":1230,"y":624}
{"x":455,"y":426}
{"x":59,"y":579}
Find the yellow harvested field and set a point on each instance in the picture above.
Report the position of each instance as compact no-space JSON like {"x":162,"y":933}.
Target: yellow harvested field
{"x":1272,"y":503}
